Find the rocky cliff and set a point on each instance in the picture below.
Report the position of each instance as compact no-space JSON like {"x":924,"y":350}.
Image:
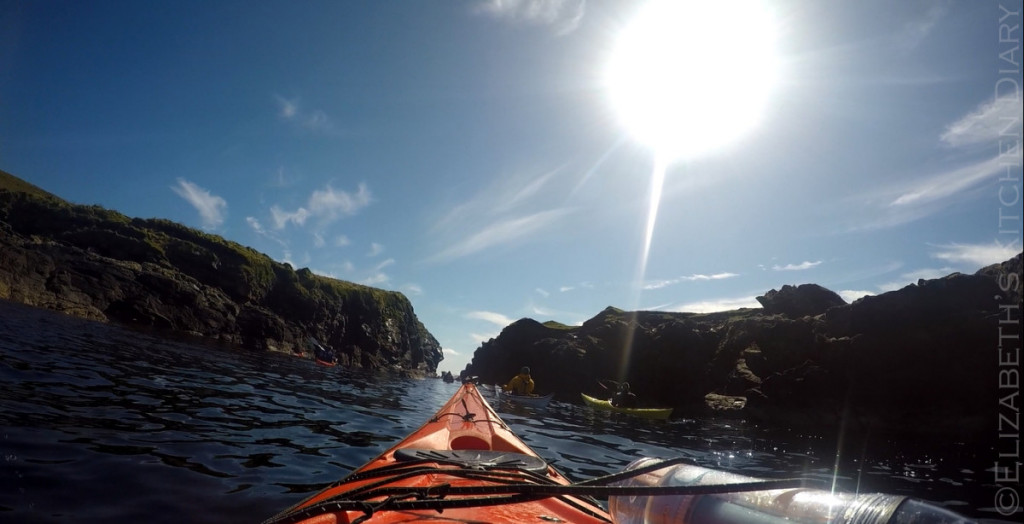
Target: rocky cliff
{"x":923,"y":358}
{"x":99,"y":264}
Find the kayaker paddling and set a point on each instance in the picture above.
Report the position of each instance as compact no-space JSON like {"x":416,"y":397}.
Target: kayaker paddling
{"x":623,"y":397}
{"x":521,"y":384}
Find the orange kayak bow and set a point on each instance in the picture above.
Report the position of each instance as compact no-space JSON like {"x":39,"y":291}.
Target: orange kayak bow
{"x":462,"y":465}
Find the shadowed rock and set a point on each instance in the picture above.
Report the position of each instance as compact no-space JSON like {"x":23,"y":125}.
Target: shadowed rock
{"x":98,"y":264}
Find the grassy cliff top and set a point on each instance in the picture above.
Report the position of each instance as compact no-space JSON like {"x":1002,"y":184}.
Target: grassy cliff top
{"x":243,"y":272}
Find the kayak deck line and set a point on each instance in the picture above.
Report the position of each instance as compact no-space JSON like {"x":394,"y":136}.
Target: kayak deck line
{"x":514,"y":485}
{"x":465,"y":444}
{"x":466,"y":465}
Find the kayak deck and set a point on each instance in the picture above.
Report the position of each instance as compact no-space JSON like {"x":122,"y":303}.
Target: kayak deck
{"x":606,"y":405}
{"x":462,"y":465}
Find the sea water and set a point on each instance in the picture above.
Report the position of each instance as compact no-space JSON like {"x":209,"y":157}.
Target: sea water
{"x":99,"y":423}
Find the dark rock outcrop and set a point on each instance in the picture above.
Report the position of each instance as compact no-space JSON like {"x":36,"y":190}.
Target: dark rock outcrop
{"x":799,"y":301}
{"x":98,"y":264}
{"x":922,"y":359}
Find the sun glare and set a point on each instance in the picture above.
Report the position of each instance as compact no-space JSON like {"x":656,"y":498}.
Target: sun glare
{"x":689,"y":76}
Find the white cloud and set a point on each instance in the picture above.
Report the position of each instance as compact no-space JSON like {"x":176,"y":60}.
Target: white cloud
{"x":326,"y":204}
{"x":499,"y":233}
{"x":413,"y":289}
{"x":565,"y":289}
{"x":563,"y":15}
{"x":527,"y":191}
{"x":450,"y":352}
{"x":796,"y":267}
{"x":255,"y":225}
{"x":318,"y":240}
{"x":542,"y":292}
{"x":375,"y":249}
{"x":376,"y":279}
{"x":995,"y":119}
{"x":993,"y":124}
{"x":488,"y":316}
{"x":288,"y":108}
{"x":329,"y":203}
{"x":912,"y":277}
{"x":480,"y":338}
{"x":712,"y":306}
{"x":658,"y":284}
{"x":849,"y":295}
{"x":291,"y":111}
{"x":945,"y":185}
{"x":977,"y":255}
{"x":211,"y":208}
{"x":384,"y":263}
{"x":281,"y":217}
{"x":341,"y":241}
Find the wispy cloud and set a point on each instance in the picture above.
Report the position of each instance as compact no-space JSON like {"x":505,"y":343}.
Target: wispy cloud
{"x":326,"y":204}
{"x":375,"y":249}
{"x":480,"y":338}
{"x":290,"y":110}
{"x":712,"y":306}
{"x":658,"y":284}
{"x":211,"y":208}
{"x":255,"y":225}
{"x":563,"y":15}
{"x":530,"y":189}
{"x":982,"y":129}
{"x":376,"y":279}
{"x":945,"y":185}
{"x":377,"y":275}
{"x":977,"y":255}
{"x":488,"y":316}
{"x":998,"y":118}
{"x":499,"y":233}
{"x":542,"y":292}
{"x":912,"y":277}
{"x":412,"y":289}
{"x":797,"y":267}
{"x":917,"y":30}
{"x":450,"y":352}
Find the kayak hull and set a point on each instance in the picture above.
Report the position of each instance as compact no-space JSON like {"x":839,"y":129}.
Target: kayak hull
{"x":536,"y":401}
{"x":466,"y":426}
{"x":606,"y":405}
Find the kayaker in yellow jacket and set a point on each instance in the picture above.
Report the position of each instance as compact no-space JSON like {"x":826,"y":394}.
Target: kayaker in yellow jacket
{"x":521,"y":384}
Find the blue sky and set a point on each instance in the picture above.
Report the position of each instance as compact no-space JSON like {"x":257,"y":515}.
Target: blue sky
{"x":473,"y":154}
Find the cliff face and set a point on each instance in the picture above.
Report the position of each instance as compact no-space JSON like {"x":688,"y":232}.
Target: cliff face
{"x":95,"y":263}
{"x":925,"y":358}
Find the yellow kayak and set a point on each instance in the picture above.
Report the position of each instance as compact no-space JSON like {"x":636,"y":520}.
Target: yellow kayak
{"x":606,"y":405}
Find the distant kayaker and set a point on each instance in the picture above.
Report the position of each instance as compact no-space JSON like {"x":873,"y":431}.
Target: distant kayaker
{"x":623,"y":397}
{"x":521,"y":384}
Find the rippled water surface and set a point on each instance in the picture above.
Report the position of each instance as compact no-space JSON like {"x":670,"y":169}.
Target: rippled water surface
{"x":101,"y":424}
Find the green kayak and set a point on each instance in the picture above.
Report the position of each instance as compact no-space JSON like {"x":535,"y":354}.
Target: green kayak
{"x":606,"y":405}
